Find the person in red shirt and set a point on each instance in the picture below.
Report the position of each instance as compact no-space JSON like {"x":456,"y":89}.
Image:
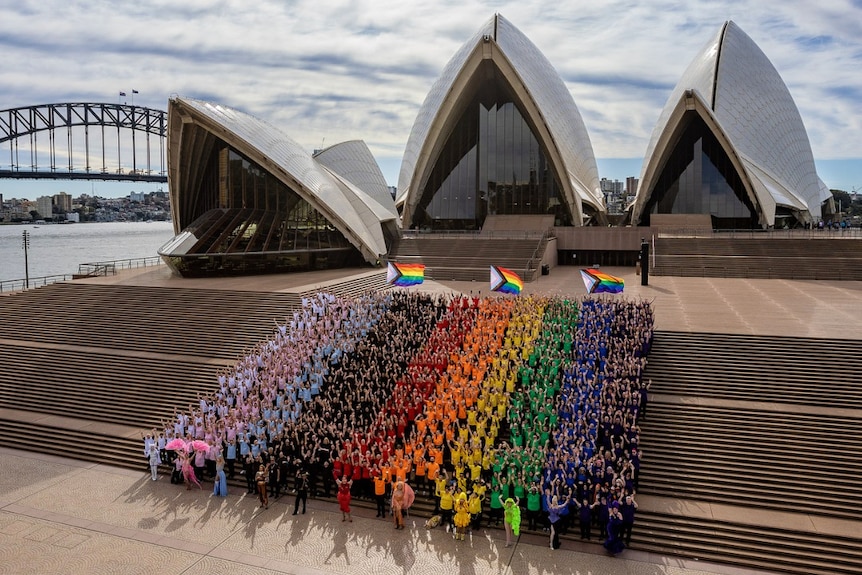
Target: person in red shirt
{"x":344,"y":485}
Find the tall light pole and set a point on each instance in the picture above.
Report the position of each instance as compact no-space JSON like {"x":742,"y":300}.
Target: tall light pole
{"x":26,"y":244}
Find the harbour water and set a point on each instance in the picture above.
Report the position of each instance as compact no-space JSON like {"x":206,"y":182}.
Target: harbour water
{"x":59,"y":248}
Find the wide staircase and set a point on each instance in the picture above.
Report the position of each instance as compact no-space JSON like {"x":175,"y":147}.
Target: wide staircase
{"x":752,"y":452}
{"x":87,"y":367}
{"x":778,"y":255}
{"x":751,"y":443}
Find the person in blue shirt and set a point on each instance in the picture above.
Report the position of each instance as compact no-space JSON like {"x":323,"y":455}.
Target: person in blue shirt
{"x":555,"y":508}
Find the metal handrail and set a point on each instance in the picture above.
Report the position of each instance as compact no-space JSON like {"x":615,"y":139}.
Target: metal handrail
{"x":22,"y":284}
{"x":114,"y":265}
{"x":777,"y":234}
{"x":91,"y":269}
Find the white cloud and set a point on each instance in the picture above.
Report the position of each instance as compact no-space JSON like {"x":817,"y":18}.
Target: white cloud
{"x":330,"y":71}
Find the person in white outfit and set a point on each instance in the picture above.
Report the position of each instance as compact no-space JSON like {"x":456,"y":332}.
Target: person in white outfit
{"x":155,"y":461}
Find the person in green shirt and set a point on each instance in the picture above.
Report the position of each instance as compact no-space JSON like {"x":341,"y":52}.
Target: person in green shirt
{"x":534,"y":506}
{"x":496,"y":504}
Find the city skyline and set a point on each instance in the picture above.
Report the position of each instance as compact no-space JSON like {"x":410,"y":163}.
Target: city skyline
{"x":324,"y":73}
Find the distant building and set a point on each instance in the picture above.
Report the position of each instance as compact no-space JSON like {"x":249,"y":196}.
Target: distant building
{"x":45,"y":207}
{"x":62,"y":202}
{"x":137,"y":197}
{"x":615,"y":196}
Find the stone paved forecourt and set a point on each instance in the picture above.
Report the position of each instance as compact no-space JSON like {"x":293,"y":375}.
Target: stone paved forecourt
{"x":69,"y":517}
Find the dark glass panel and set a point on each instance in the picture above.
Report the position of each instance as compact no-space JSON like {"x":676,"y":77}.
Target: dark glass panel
{"x":491,"y":163}
{"x":261,"y":225}
{"x":699,"y":178}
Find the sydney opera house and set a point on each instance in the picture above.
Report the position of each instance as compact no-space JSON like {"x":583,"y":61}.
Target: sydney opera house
{"x":730,"y":143}
{"x":499,"y":134}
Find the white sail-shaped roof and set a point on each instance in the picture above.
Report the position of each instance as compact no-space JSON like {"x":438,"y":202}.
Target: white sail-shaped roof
{"x":356,"y":213}
{"x":743,"y":99}
{"x":353,"y":161}
{"x":549,"y":104}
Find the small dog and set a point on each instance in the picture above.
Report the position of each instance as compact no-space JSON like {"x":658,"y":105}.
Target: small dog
{"x":433,"y":522}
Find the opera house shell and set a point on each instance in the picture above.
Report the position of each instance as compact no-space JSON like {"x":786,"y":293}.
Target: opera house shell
{"x":247,"y":199}
{"x":499,"y":133}
{"x":730,"y":142}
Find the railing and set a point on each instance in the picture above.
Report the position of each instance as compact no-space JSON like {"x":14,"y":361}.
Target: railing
{"x":778,"y":234}
{"x":547,"y":235}
{"x":98,"y":269}
{"x":87,"y":270}
{"x":23,"y":284}
{"x":95,"y":270}
{"x":488,"y":234}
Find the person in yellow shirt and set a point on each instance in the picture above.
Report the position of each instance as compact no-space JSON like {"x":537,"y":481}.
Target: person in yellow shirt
{"x":474,"y":503}
{"x":447,"y":506}
{"x":475,"y":471}
{"x":440,"y":483}
{"x":462,"y":516}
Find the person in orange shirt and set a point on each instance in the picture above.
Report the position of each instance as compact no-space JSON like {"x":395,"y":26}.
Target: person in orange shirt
{"x":432,"y":471}
{"x":420,"y":469}
{"x":402,"y":469}
{"x":380,"y":486}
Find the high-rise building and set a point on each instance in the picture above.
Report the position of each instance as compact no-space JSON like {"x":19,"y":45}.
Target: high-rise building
{"x":63,"y":202}
{"x":45,"y":207}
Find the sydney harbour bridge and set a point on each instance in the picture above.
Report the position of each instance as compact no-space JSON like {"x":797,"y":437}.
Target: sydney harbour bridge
{"x":87,"y":141}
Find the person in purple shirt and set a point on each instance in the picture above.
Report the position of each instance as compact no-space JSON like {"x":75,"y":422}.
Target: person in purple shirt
{"x":614,"y":542}
{"x":585,"y":516}
{"x":627,"y":510}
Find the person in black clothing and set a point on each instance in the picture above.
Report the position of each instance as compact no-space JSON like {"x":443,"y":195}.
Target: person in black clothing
{"x":301,"y":486}
{"x":283,"y":470}
{"x":323,"y":466}
{"x":274,"y":483}
{"x":249,"y":470}
{"x":643,"y":393}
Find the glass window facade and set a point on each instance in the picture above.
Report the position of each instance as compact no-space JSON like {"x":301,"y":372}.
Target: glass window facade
{"x":258,"y":225}
{"x":699,"y":178}
{"x":491,"y":163}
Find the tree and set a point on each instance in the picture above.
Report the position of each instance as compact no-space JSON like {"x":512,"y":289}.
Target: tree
{"x":842,"y":200}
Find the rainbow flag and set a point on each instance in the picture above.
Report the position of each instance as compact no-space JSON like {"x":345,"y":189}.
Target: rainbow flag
{"x":600,"y":282}
{"x":505,"y":281}
{"x":404,"y":275}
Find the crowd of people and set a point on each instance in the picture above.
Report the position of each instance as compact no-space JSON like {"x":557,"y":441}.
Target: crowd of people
{"x":530,"y":402}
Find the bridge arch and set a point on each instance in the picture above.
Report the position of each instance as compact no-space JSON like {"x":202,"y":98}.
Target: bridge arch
{"x":84,"y":141}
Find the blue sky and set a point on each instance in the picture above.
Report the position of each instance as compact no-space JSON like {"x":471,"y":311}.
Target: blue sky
{"x":325,"y":72}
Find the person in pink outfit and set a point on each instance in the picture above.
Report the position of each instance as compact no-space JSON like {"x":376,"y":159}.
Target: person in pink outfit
{"x":189,"y":473}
